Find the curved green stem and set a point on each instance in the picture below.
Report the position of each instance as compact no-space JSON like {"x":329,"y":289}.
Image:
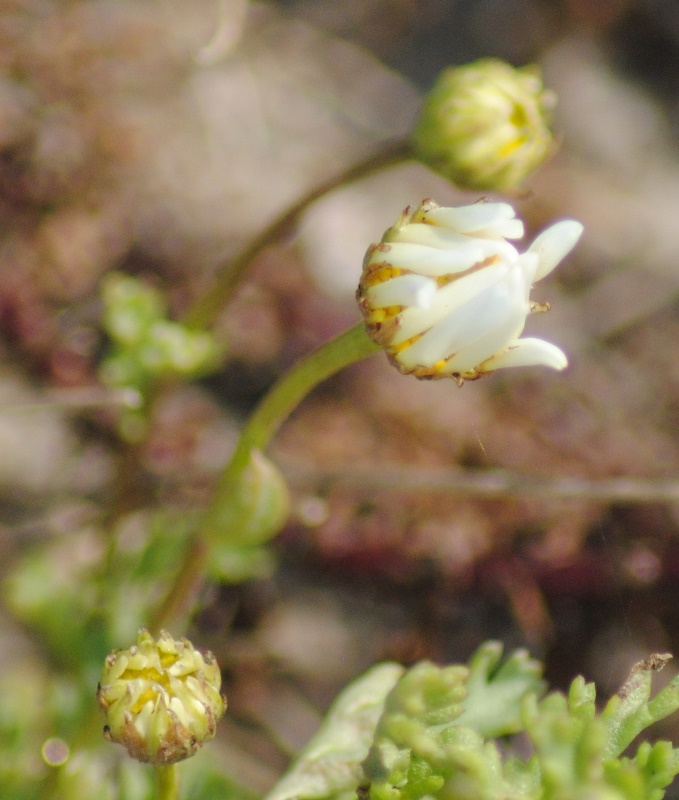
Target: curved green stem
{"x":167,"y":782}
{"x":349,"y":347}
{"x":286,"y":394}
{"x":206,"y":308}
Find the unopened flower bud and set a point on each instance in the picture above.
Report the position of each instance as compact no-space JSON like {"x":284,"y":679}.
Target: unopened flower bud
{"x":130,"y":308}
{"x":257,"y":508}
{"x":484,"y":125}
{"x":171,"y":348}
{"x":161,"y":698}
{"x":445,"y":293}
{"x":145,"y":345}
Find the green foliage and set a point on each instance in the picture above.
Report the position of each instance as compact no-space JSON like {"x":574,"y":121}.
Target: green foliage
{"x":84,"y":595}
{"x":576,"y":750}
{"x":495,"y":688}
{"x":233,"y":564}
{"x":102,"y":774}
{"x":23,"y":726}
{"x":436,"y":738}
{"x":632,"y":710}
{"x":144,"y":345}
{"x":431,"y":737}
{"x":330,"y":764}
{"x":54,"y":590}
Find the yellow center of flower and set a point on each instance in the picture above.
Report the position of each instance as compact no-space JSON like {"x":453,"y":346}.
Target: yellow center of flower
{"x":512,"y":146}
{"x":150,"y":694}
{"x":150,"y":674}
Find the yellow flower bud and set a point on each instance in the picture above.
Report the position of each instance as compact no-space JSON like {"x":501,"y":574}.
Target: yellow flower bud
{"x":161,"y":698}
{"x":446,"y":295}
{"x":484,"y":126}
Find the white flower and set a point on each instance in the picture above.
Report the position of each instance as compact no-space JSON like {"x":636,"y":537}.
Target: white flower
{"x":445,"y":293}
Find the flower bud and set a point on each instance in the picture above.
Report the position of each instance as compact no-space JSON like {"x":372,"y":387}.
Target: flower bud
{"x":484,"y":125}
{"x":145,"y":345}
{"x":445,"y":293}
{"x":161,"y":698}
{"x":130,"y":308}
{"x":256,"y":509}
{"x":170,"y":348}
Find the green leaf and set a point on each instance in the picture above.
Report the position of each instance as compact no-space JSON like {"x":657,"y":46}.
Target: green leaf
{"x":330,"y":764}
{"x":629,"y":711}
{"x":495,"y":690}
{"x":435,"y":739}
{"x":431,"y":740}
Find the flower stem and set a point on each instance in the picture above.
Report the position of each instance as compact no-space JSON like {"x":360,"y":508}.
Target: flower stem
{"x":286,"y":394}
{"x":167,"y":782}
{"x":349,"y":347}
{"x":206,"y":308}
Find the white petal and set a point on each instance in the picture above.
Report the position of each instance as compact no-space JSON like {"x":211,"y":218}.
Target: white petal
{"x":449,"y":300}
{"x":527,"y":353}
{"x":429,"y":260}
{"x":479,"y":216}
{"x":553,"y":244}
{"x":412,"y":321}
{"x":429,"y":235}
{"x":444,"y":239}
{"x":475,"y":353}
{"x":507,"y":229}
{"x":404,"y":290}
{"x":529,"y":264}
{"x":484,"y":323}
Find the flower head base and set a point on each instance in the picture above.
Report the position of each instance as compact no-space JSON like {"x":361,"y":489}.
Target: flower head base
{"x":161,"y":698}
{"x":446,"y":295}
{"x":485,"y":125}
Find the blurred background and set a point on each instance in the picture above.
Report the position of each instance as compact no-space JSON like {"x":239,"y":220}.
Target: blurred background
{"x":158,"y":137}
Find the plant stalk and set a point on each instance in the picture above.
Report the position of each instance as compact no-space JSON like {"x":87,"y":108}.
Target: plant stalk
{"x":167,"y":781}
{"x":286,"y":394}
{"x":203,"y":312}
